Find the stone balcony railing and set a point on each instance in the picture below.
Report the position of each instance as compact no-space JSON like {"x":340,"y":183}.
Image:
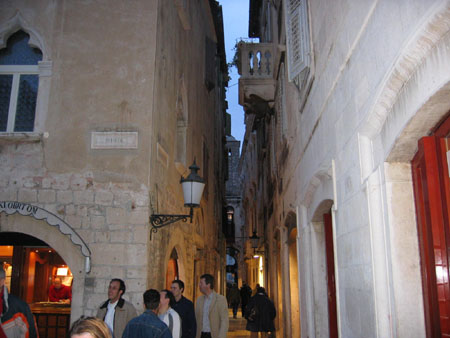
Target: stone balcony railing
{"x":256,"y":67}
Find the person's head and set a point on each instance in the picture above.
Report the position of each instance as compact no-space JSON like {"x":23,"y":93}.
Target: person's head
{"x":116,"y":289}
{"x":57,"y":283}
{"x":89,"y":327}
{"x":260,"y":289}
{"x":166,"y":299}
{"x":151,"y":299}
{"x":2,"y":276}
{"x":206,"y":284}
{"x":177,"y":288}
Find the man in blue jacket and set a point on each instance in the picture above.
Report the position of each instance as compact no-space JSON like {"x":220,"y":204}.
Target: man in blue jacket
{"x":148,"y":325}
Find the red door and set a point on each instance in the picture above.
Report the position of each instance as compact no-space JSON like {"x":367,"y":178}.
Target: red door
{"x":431,"y":192}
{"x":332,"y":313}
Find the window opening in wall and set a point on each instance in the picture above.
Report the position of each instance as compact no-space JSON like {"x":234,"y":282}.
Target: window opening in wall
{"x":19,"y":80}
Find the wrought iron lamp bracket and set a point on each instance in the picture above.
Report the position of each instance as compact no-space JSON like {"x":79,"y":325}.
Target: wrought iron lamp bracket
{"x":161,"y":220}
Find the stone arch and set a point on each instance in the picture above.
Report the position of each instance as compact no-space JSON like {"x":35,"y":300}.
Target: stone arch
{"x":11,"y":26}
{"x":319,"y":267}
{"x":413,"y":97}
{"x":66,"y":248}
{"x":17,"y":22}
{"x":181,"y":261}
{"x":318,"y":191}
{"x":290,"y":221}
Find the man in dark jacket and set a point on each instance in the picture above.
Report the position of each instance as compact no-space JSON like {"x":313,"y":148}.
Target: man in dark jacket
{"x":16,"y":317}
{"x":185,"y":309}
{"x":246,"y":293}
{"x":260,"y":313}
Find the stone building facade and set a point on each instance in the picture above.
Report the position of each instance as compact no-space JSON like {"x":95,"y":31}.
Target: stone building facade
{"x":234,"y":217}
{"x":129,"y":94}
{"x":344,"y":164}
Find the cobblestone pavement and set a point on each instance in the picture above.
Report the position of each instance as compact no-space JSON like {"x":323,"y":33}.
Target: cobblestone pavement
{"x":237,"y":326}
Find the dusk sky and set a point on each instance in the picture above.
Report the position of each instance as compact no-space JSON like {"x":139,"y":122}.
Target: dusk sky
{"x":235,"y":16}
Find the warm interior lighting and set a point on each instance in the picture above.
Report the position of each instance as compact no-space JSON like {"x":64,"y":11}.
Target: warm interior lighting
{"x":62,"y":271}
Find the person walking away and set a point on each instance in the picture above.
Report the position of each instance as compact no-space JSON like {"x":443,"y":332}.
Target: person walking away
{"x":16,"y":317}
{"x":185,"y":309}
{"x":246,"y":293}
{"x":116,"y":311}
{"x":260,"y":313}
{"x":148,"y":325}
{"x":235,"y":299}
{"x":168,"y":315}
{"x":211,"y":311}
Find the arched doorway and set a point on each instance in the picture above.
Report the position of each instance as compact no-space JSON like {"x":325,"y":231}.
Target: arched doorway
{"x":432,"y":198}
{"x":279,"y":287}
{"x":232,"y":266}
{"x":172,"y":269}
{"x":27,"y":219}
{"x":31,"y":267}
{"x":291,"y":224}
{"x":323,"y":274}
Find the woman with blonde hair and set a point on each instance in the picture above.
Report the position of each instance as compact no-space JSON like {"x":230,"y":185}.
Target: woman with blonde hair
{"x":89,"y":327}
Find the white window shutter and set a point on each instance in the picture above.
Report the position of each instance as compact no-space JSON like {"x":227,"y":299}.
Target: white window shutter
{"x":297,"y":36}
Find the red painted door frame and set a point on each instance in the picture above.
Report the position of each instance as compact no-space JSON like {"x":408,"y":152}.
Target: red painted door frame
{"x":331,"y":284}
{"x":432,"y":198}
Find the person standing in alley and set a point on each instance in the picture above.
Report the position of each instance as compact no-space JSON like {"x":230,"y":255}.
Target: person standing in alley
{"x":246,"y":293}
{"x":116,"y":311}
{"x":260,"y":313}
{"x":185,"y":309}
{"x":148,"y":325}
{"x":168,"y":315}
{"x":211,"y":311}
{"x":235,"y":299}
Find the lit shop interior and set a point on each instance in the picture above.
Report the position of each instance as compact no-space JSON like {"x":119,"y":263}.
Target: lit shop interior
{"x":31,"y":268}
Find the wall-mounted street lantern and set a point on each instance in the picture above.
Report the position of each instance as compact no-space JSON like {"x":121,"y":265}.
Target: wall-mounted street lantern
{"x":193,"y":186}
{"x":254,"y":239}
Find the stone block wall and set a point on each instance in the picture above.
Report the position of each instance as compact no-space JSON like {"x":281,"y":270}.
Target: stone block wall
{"x":111,"y":217}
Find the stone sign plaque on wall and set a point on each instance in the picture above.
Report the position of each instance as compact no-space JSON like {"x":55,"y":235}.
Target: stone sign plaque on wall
{"x":114,"y":140}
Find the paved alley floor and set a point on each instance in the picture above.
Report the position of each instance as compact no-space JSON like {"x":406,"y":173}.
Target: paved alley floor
{"x":237,"y":326}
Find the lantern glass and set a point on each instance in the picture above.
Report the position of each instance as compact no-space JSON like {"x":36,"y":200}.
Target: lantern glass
{"x":192,"y":193}
{"x":254,"y":240}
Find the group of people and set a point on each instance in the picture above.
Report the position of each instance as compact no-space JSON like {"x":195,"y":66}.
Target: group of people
{"x":167,"y":314}
{"x":256,"y":307}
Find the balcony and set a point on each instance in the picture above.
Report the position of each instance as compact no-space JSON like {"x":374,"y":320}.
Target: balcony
{"x":257,"y":84}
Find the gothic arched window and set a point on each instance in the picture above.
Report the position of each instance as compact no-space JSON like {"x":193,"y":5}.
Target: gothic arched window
{"x":19,"y":81}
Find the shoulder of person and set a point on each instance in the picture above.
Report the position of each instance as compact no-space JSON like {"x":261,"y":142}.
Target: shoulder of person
{"x":103,"y":305}
{"x":173,"y":313}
